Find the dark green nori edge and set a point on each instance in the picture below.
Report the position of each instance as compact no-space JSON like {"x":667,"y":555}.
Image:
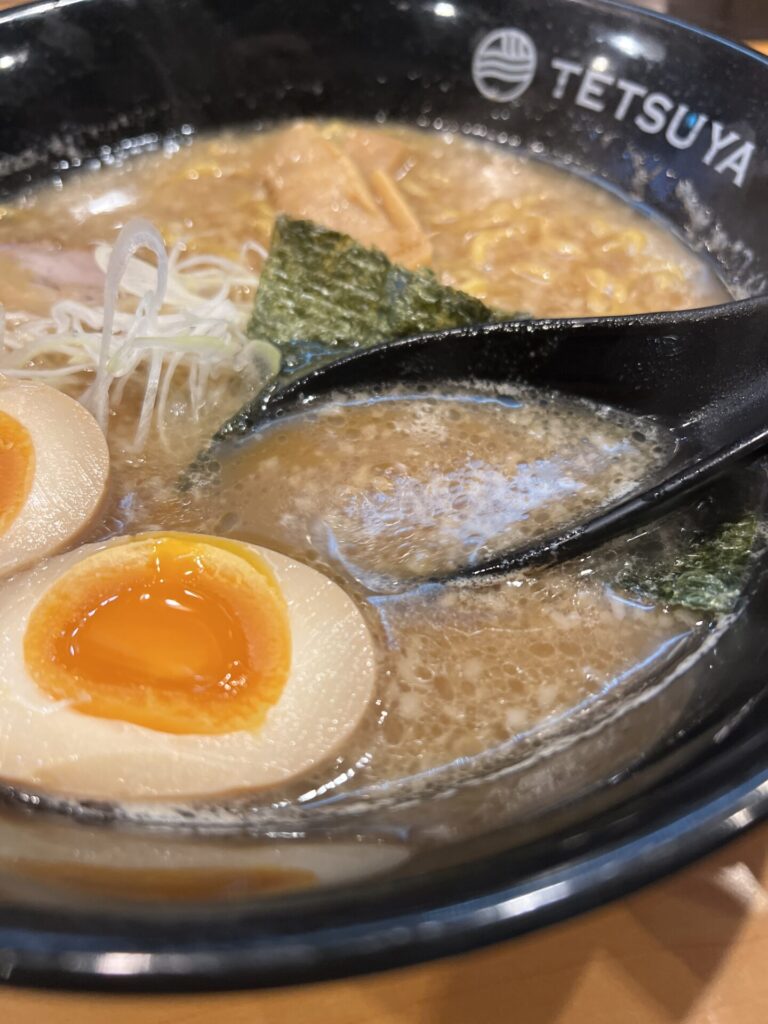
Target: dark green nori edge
{"x":707,"y":576}
{"x":322,"y":295}
{"x":321,"y":285}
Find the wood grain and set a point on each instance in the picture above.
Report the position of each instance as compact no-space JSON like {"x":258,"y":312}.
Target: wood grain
{"x":690,"y":950}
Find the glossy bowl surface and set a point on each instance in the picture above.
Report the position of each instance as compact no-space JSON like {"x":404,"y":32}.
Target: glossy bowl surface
{"x":666,"y":115}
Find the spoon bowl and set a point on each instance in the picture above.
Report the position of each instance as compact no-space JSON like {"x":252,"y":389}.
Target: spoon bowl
{"x":670,"y":778}
{"x":701,"y":375}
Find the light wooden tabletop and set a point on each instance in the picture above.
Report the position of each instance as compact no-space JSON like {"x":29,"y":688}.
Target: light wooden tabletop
{"x":692,"y":949}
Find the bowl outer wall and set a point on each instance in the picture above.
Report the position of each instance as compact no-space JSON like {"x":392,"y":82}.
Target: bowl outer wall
{"x":88,"y":75}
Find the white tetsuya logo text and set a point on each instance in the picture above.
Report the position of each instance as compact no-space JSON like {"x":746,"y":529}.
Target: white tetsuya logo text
{"x":504,"y":64}
{"x":653,"y":112}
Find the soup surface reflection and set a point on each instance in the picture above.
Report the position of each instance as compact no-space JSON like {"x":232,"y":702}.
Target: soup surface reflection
{"x":417,"y":484}
{"x":516,"y":233}
{"x":376,"y":489}
{"x":379,"y":492}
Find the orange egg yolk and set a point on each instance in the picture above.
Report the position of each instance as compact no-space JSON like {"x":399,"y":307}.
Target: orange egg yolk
{"x":173,"y":632}
{"x":17,"y":469}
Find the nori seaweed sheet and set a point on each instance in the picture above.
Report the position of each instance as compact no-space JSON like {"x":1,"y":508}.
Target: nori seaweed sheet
{"x":321,"y":295}
{"x":321,"y":286}
{"x":707,"y":576}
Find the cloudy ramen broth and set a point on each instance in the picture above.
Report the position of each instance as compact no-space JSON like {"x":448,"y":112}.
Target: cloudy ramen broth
{"x":406,"y":483}
{"x":379,"y":487}
{"x":516,"y":233}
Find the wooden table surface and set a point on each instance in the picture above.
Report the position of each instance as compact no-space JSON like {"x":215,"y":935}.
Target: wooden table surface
{"x":692,"y":949}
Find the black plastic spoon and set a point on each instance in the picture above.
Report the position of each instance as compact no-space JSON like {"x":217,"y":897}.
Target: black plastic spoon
{"x":703,"y":374}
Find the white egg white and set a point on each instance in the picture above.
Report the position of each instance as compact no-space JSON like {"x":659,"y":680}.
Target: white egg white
{"x":48,"y":745}
{"x":70,"y":476}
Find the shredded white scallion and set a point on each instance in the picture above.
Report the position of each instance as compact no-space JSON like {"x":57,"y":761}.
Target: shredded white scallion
{"x":187,"y":319}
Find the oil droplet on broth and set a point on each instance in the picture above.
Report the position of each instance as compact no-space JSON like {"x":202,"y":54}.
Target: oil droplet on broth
{"x":361,"y":485}
{"x":494,"y":222}
{"x":414,"y":485}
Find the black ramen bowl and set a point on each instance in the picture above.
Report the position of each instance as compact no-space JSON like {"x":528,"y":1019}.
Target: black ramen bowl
{"x":669,"y":117}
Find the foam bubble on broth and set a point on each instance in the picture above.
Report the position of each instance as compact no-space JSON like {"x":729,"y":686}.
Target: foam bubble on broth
{"x":145,"y":493}
{"x":469,"y":669}
{"x":413,"y":484}
{"x":514,"y":232}
{"x":477,"y":666}
{"x":461,"y":670}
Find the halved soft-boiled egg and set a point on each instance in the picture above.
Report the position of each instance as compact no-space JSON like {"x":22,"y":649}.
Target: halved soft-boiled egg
{"x":54,"y":466}
{"x":172,"y":665}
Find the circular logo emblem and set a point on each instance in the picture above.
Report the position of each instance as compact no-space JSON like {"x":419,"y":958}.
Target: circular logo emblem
{"x":503,"y":64}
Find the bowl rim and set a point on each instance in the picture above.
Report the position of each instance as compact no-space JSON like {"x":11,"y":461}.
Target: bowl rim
{"x":713,"y":803}
{"x":365,"y":939}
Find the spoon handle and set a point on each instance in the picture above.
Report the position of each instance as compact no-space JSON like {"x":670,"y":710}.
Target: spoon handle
{"x":702,"y":374}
